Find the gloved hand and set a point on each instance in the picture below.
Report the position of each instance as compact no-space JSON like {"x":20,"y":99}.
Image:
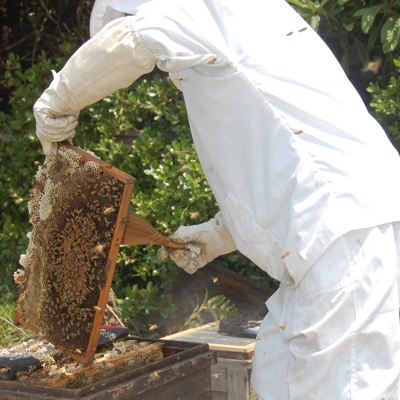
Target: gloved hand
{"x":205,"y":241}
{"x":55,"y":121}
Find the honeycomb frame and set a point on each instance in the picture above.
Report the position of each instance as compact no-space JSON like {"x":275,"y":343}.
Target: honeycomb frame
{"x":78,"y":209}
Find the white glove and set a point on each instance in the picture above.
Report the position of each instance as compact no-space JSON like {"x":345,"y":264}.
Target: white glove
{"x":205,"y":242}
{"x":55,"y":121}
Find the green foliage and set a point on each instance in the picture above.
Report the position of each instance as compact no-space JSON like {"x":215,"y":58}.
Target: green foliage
{"x":19,"y":156}
{"x":140,"y":302}
{"x":386,"y":104}
{"x":354,"y":30}
{"x":381,"y":21}
{"x":326,"y":15}
{"x":9,"y":333}
{"x":216,"y":308}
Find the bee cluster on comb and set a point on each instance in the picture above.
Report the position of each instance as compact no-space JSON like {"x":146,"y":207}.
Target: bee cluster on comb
{"x":77,"y":215}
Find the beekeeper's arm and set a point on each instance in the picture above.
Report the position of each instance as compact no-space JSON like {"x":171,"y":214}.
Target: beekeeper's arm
{"x":111,"y":60}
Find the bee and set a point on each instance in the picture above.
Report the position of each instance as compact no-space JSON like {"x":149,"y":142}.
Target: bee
{"x":153,"y":327}
{"x":194,"y":215}
{"x":98,"y":249}
{"x":108,"y":210}
{"x":285,"y":254}
{"x":373,"y":66}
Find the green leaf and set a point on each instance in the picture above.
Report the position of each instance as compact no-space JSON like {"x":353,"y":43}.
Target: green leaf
{"x":349,"y":26}
{"x":368,"y":16}
{"x":390,"y":34}
{"x":315,"y":20}
{"x":297,"y":3}
{"x":360,"y":13}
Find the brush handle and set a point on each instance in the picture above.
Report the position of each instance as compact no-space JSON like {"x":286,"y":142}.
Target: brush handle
{"x":139,"y":231}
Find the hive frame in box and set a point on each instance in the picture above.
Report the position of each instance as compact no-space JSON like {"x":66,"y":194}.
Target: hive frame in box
{"x":183,"y":373}
{"x":78,"y":208}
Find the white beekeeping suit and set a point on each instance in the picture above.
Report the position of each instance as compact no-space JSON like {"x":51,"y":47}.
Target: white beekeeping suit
{"x":297,"y":164}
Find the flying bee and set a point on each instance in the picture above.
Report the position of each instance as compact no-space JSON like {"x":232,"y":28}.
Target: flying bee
{"x":373,"y":66}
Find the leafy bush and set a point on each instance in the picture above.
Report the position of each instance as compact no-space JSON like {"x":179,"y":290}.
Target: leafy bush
{"x":364,"y":29}
{"x":381,"y":21}
{"x":214,"y":309}
{"x":19,"y":157}
{"x":9,"y":334}
{"x":386,"y":104}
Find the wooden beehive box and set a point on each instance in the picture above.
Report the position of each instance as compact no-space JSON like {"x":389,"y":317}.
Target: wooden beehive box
{"x":230,"y":376}
{"x":182,"y":373}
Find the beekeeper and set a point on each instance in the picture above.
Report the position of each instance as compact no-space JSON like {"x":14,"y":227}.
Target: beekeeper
{"x":306,"y":180}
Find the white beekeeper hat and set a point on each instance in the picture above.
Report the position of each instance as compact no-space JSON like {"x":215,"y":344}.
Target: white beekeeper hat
{"x":104,"y":11}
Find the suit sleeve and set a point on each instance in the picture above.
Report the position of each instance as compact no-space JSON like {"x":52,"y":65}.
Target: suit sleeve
{"x":113,"y":59}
